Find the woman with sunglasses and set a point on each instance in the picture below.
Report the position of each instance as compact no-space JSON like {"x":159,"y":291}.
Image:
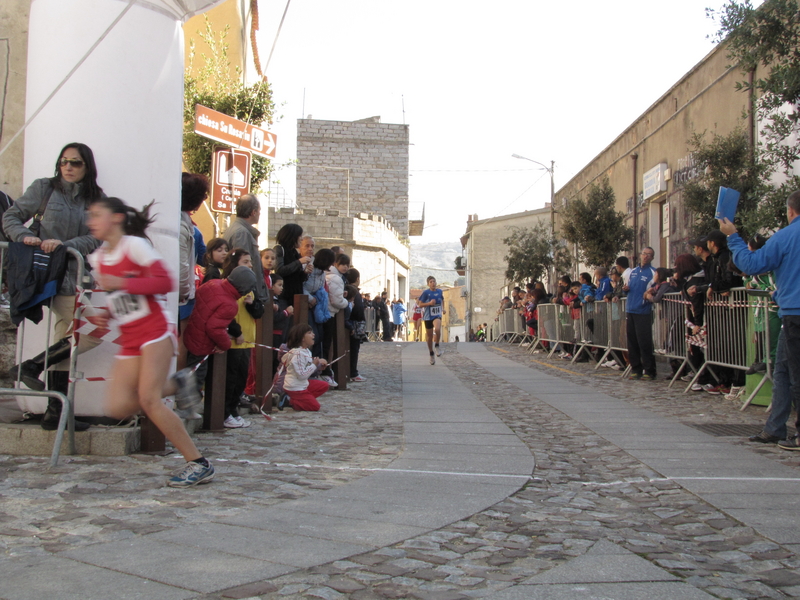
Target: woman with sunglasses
{"x":62,"y":222}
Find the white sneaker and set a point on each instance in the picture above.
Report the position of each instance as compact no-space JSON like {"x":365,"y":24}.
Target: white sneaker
{"x":433,"y":359}
{"x":329,"y":380}
{"x":526,"y":344}
{"x":735,"y":393}
{"x":439,"y":351}
{"x":236,"y":423}
{"x":697,"y":387}
{"x":616,"y":367}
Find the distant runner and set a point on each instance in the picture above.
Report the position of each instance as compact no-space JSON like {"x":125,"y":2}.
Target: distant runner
{"x":432,"y":302}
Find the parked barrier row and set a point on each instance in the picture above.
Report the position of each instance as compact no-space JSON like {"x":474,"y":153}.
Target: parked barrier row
{"x":599,"y":329}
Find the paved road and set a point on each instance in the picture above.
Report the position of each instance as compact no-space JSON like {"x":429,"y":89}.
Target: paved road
{"x":422,"y":483}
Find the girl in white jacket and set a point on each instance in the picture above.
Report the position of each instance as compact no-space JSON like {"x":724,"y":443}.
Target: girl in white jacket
{"x":300,"y":365}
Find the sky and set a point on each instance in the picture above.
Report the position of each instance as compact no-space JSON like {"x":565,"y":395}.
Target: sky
{"x":478,"y":82}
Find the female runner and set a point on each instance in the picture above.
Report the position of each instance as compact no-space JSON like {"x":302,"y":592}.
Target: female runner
{"x":136,"y":277}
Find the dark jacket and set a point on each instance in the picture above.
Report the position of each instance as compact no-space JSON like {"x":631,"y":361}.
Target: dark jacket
{"x":720,"y":272}
{"x":291,"y":269}
{"x":33,"y":278}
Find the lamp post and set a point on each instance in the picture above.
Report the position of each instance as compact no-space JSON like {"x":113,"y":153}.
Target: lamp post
{"x":550,"y":170}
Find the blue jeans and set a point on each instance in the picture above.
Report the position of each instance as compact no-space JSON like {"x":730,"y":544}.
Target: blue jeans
{"x":785,"y":388}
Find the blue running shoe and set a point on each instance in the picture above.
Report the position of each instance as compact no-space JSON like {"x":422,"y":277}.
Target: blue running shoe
{"x":192,"y":474}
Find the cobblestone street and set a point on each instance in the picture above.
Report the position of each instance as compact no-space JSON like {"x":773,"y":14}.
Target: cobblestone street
{"x":585,"y":492}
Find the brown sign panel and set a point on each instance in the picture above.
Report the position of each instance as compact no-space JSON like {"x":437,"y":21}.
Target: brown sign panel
{"x":233,"y":132}
{"x":230,"y":172}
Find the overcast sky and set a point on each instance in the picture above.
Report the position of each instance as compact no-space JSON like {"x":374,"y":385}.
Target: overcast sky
{"x":480,"y":82}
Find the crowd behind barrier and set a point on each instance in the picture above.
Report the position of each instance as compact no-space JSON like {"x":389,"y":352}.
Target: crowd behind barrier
{"x":734,"y":334}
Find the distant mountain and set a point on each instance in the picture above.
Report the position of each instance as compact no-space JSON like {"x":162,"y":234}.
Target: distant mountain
{"x":435,"y":259}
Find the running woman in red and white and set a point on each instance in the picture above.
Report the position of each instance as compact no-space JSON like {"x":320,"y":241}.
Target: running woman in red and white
{"x":134,"y":274}
{"x":432,"y":302}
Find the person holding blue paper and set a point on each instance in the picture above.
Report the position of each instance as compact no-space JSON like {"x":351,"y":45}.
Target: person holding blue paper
{"x":781,"y":255}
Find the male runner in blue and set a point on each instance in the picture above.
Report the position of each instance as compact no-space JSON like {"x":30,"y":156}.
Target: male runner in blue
{"x":432,"y":302}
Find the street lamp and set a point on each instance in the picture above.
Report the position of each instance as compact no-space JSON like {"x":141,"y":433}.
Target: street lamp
{"x":550,"y":170}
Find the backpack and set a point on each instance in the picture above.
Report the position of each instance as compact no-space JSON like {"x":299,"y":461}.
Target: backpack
{"x":321,"y":311}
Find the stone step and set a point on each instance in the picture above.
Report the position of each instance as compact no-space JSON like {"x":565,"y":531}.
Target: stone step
{"x":29,"y":439}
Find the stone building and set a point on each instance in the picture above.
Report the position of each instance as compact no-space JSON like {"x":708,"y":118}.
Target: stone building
{"x":649,"y":163}
{"x":352,"y":192}
{"x":484,"y":253}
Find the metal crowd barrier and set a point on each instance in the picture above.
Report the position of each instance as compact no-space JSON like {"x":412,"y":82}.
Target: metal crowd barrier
{"x":373,"y":335}
{"x":494,"y":331}
{"x":547,"y":330}
{"x":669,"y":339}
{"x":726,"y":320}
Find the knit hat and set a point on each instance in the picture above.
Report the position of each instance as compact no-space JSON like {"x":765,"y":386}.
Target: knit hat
{"x":243,"y":279}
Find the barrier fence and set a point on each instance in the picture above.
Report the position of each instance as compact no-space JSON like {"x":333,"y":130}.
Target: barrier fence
{"x":740,"y":329}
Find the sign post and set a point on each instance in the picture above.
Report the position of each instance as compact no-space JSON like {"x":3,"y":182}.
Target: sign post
{"x":230,"y":173}
{"x":233,"y":132}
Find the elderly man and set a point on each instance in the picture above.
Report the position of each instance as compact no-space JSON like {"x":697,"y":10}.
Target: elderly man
{"x":781,"y":256}
{"x":243,"y":234}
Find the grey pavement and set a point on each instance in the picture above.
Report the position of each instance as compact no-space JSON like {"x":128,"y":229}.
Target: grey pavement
{"x":624,"y":500}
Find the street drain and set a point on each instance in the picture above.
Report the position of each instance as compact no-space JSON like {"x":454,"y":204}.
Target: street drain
{"x":729,"y":429}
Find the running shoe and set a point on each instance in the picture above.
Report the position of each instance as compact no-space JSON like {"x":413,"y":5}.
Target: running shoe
{"x":329,"y":380}
{"x":616,"y":367}
{"x":687,"y":378}
{"x":187,"y":398}
{"x":764,"y":437}
{"x":790,"y":444}
{"x":236,"y":423}
{"x":192,"y":474}
{"x":648,"y":377}
{"x":712,"y":389}
{"x":567,"y":356}
{"x":358,"y":378}
{"x":735,"y":393}
{"x":433,"y":359}
{"x":439,"y":351}
{"x":635,"y":376}
{"x":696,"y":387}
{"x":758,"y":367}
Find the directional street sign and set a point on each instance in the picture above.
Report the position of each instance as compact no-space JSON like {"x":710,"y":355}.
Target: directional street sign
{"x":233,"y":132}
{"x":230,"y":178}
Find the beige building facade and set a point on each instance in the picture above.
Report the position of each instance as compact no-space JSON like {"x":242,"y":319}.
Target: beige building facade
{"x":485,"y":257}
{"x":648,"y":164}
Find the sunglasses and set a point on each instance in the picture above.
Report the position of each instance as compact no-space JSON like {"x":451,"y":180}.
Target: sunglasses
{"x":71,"y":161}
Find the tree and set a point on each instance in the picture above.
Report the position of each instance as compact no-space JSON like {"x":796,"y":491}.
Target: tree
{"x":596,"y":226}
{"x":725,"y":160}
{"x":220,"y":87}
{"x":769,"y":37}
{"x":534,"y":252}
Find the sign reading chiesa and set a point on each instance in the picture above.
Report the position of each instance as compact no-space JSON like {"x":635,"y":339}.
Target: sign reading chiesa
{"x":654,"y":181}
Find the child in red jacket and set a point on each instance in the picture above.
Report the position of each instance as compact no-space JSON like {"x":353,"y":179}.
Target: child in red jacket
{"x":212,"y":323}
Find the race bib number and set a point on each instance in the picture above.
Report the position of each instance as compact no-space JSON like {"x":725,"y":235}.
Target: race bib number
{"x":127,"y":308}
{"x":436,"y":311}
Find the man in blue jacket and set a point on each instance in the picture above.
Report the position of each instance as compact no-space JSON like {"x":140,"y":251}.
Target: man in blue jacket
{"x":639,"y":319}
{"x":781,"y":255}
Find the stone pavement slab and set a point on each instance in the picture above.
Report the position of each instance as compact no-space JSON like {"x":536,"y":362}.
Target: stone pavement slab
{"x":603,"y":591}
{"x":746,"y":471}
{"x":450,"y":470}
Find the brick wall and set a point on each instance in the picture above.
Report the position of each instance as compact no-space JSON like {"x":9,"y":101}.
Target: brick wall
{"x":374,"y":154}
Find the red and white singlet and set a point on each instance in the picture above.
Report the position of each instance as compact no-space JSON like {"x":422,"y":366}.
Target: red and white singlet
{"x":139,"y":309}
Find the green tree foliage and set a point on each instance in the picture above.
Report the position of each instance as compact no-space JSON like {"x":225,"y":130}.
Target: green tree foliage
{"x":220,"y":87}
{"x":727,"y":160}
{"x":596,"y":226}
{"x":534,"y":252}
{"x":768,"y":37}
